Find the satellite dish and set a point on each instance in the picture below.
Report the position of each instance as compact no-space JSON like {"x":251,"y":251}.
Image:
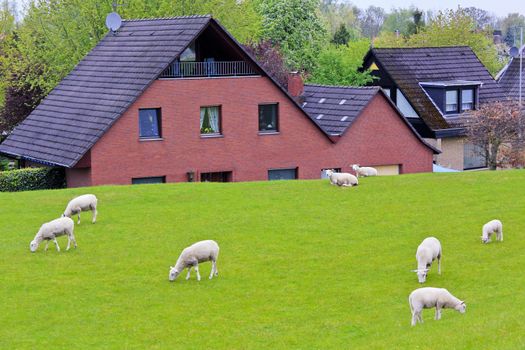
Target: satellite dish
{"x":113,"y":21}
{"x":514,"y":52}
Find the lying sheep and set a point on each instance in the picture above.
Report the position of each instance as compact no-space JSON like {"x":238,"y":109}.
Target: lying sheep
{"x":426,"y":298}
{"x":193,"y":255}
{"x":342,"y":179}
{"x":53,"y":229}
{"x":489,"y":228}
{"x":82,"y":203}
{"x":364,"y":171}
{"x":428,"y":251}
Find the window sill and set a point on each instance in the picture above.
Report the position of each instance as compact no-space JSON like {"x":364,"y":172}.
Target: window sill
{"x":147,"y":139}
{"x":262,"y":133}
{"x":211,"y":136}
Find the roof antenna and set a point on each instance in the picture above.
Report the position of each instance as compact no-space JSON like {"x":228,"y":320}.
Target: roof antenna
{"x":113,"y":20}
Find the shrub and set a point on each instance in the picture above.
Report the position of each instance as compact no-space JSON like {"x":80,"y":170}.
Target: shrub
{"x":32,"y":179}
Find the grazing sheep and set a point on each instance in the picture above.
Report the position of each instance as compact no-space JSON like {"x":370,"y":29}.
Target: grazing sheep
{"x":342,"y":179}
{"x":428,"y":251}
{"x":195,"y":254}
{"x":82,"y":203}
{"x":426,"y":298}
{"x":53,"y":229}
{"x":364,"y":171}
{"x":489,"y":228}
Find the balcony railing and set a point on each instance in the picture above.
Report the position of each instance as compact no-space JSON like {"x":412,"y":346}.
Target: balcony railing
{"x":208,"y":69}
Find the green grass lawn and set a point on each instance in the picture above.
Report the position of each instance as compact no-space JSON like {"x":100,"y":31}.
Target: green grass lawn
{"x":303,"y":265}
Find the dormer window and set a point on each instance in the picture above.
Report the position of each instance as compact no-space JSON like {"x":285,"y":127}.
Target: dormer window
{"x":467,"y":99}
{"x":451,"y":101}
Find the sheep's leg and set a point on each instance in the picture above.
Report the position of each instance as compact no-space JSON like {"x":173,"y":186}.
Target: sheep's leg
{"x":188,"y":274}
{"x":197,"y":271}
{"x":94,"y":215}
{"x":212,"y":269}
{"x":216,"y":270}
{"x":439,"y":264}
{"x":47,"y":243}
{"x":500,"y":235}
{"x":68,"y":242}
{"x":438,"y":312}
{"x":414,"y":318}
{"x":56,"y":244}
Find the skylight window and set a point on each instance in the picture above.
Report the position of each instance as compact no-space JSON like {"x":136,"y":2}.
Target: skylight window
{"x":342,"y":102}
{"x":322,"y":100}
{"x":344,"y":118}
{"x":320,"y":116}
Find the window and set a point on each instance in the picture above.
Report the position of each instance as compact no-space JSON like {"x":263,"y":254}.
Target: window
{"x":451,"y":101}
{"x":149,"y":123}
{"x":473,"y":157}
{"x":210,"y":120}
{"x":148,"y":180}
{"x":189,"y":54}
{"x":467,"y":99}
{"x":268,"y":118}
{"x":221,"y":176}
{"x":404,"y":106}
{"x":282,"y":174}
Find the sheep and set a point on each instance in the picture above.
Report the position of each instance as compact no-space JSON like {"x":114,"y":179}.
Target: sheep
{"x":53,"y":229}
{"x":193,"y":255}
{"x":364,"y":171}
{"x":429,"y":297}
{"x":428,"y":251}
{"x":82,"y":203}
{"x":489,"y":228}
{"x":342,"y":179}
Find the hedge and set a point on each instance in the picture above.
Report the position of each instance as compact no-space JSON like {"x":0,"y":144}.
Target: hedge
{"x":28,"y":179}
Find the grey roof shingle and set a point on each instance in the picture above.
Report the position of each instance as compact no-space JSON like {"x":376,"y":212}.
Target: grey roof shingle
{"x":100,"y":88}
{"x":409,"y":66}
{"x":334,"y":108}
{"x":509,"y":79}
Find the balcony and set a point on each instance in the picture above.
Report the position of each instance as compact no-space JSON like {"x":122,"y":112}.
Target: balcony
{"x":208,"y":69}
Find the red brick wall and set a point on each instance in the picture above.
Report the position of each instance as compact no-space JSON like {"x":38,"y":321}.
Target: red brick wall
{"x":378,"y":137}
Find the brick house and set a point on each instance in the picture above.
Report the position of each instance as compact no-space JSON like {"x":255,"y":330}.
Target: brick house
{"x":435,"y":88}
{"x":178,"y":99}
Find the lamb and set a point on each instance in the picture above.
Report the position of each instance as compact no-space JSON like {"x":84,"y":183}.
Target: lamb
{"x":82,"y":203}
{"x":53,"y":229}
{"x":364,"y":171}
{"x":426,"y":298}
{"x":193,"y":255}
{"x":428,"y":251}
{"x":342,"y":179}
{"x":489,"y":228}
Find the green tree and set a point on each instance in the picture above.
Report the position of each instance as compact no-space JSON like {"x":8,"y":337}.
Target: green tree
{"x":339,"y":65}
{"x":398,"y":19}
{"x":341,"y":36}
{"x":336,"y":13}
{"x":510,"y":27}
{"x":450,"y":28}
{"x":297,"y":28}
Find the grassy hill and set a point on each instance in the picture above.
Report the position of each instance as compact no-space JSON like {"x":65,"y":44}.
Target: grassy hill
{"x":303,"y":265}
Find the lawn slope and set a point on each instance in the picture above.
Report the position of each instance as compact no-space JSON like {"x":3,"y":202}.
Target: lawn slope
{"x":303,"y":265}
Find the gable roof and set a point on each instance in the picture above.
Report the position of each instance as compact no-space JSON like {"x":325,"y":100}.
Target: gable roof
{"x":509,"y":78}
{"x":335,"y":108}
{"x":407,"y":67}
{"x":83,"y":106}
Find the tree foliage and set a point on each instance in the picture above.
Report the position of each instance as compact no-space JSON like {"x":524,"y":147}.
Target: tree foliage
{"x":371,"y":21}
{"x":336,"y":14}
{"x":297,"y":28}
{"x":450,"y":28}
{"x":341,"y":36}
{"x":492,"y":126}
{"x":269,"y":56}
{"x":339,"y":65}
{"x":510,"y":27}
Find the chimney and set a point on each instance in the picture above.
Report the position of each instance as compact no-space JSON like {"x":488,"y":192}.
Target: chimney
{"x":295,"y":85}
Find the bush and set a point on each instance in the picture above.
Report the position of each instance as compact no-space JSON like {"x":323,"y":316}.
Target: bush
{"x":32,"y":179}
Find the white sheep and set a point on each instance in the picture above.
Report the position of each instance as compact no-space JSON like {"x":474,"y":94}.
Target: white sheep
{"x":427,"y":298}
{"x":82,"y":203}
{"x":494,"y":226}
{"x":193,"y":255}
{"x":364,"y":171}
{"x":428,"y":251}
{"x":342,"y":179}
{"x":53,"y":229}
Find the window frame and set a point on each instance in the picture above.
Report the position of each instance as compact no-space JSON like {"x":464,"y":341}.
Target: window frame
{"x":456,"y":110}
{"x":214,"y":134}
{"x":159,"y":124}
{"x":266,"y":132}
{"x":473,"y":102}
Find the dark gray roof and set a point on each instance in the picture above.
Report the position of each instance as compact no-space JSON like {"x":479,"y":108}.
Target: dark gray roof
{"x":100,"y":88}
{"x":509,"y":79}
{"x":409,"y":66}
{"x":334,"y":108}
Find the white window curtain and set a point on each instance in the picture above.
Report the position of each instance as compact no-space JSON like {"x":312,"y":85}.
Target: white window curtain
{"x":213,"y":116}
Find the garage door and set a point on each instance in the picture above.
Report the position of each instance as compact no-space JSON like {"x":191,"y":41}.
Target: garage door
{"x":387,"y":169}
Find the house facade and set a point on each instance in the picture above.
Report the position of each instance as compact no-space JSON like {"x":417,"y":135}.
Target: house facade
{"x":173,"y":100}
{"x":436,"y":88}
